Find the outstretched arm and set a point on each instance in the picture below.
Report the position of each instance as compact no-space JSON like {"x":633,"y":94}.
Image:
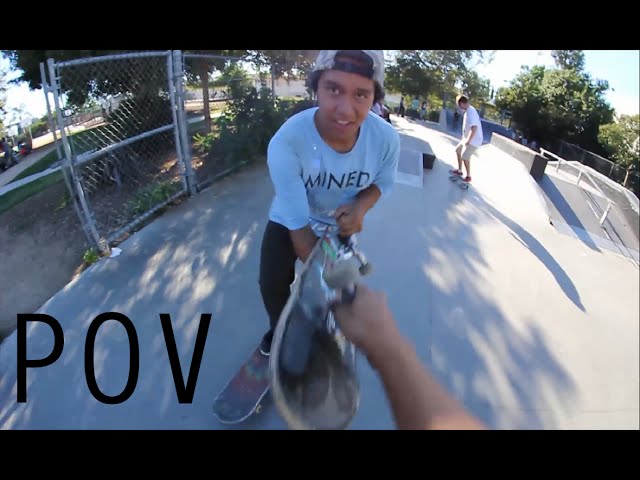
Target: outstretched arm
{"x":418,"y":401}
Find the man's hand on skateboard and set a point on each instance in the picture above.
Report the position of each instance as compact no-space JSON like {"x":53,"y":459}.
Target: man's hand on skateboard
{"x":350,"y":219}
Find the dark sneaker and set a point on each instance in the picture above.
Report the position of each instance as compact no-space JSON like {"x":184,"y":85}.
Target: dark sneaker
{"x":265,"y":345}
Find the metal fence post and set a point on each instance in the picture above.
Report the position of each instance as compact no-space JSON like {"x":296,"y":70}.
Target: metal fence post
{"x":65,"y":164}
{"x":88,"y":223}
{"x":604,"y":215}
{"x":46,"y":88}
{"x":185,"y":143}
{"x":176,"y":128}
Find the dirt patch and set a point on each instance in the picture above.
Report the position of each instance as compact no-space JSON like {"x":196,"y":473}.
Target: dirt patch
{"x":208,"y":169}
{"x":41,"y":246}
{"x":42,"y":242}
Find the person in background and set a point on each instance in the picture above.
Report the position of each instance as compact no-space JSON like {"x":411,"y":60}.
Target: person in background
{"x":472,"y":137}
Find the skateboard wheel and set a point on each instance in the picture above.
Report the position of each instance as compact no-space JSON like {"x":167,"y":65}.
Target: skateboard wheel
{"x":366,"y":269}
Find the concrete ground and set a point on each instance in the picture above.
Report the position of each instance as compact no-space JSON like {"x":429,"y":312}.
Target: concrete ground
{"x":530,"y":328}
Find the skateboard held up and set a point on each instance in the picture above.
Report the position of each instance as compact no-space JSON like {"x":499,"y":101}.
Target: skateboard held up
{"x":313,"y":367}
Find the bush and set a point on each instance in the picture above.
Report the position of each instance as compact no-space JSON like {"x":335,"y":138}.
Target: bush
{"x":300,"y":106}
{"x":246,"y":126}
{"x":412,"y":113}
{"x":39,"y":127}
{"x":434,"y":116}
{"x":242,"y":133}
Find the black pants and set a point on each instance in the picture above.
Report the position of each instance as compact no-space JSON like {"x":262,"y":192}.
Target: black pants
{"x":277,"y":270}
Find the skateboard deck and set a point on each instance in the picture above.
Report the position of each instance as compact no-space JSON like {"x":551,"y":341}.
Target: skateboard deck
{"x":458,"y":179}
{"x":313,"y":382}
{"x":243,"y":394}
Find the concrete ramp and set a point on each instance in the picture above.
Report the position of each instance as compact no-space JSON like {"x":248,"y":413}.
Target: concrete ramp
{"x":410,"y":170}
{"x":577,"y":207}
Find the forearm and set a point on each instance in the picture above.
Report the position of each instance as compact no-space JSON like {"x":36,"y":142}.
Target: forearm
{"x":417,"y":400}
{"x":367,"y":198}
{"x":303,"y":241}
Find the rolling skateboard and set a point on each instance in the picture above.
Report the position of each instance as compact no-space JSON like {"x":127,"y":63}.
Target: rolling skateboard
{"x":243,"y":394}
{"x":455,"y":178}
{"x":313,"y":374}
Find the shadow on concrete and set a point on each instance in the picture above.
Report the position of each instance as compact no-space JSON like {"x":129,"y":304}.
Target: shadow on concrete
{"x":429,"y":264}
{"x":563,"y":208}
{"x":503,"y":373}
{"x":536,"y":248}
{"x":201,"y":257}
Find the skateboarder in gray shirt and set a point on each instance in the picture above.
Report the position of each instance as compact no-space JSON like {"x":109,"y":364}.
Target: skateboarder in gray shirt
{"x":329,"y":165}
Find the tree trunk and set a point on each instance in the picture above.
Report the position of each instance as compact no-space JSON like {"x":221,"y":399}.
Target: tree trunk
{"x":204,"y":77}
{"x":273,"y":83}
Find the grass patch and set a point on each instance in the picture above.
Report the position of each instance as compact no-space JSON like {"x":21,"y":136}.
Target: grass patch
{"x":152,"y":195}
{"x":91,"y":256}
{"x":12,"y":198}
{"x":40,"y":166}
{"x":80,"y":141}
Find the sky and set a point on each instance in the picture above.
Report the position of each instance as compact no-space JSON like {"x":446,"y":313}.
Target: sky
{"x":619,"y":67}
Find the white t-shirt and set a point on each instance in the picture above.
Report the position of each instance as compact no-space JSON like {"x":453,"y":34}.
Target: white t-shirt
{"x":472,"y":118}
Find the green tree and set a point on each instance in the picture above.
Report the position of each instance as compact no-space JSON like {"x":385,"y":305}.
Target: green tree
{"x":474,"y":86}
{"x":100,"y":80}
{"x":27,"y":62}
{"x":569,"y":59}
{"x":288,"y":64}
{"x":423,"y":72}
{"x":621,"y":140}
{"x":526,"y":101}
{"x":561,"y":103}
{"x":200,"y":70}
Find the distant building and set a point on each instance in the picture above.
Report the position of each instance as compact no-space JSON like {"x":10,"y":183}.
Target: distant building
{"x":283,"y":88}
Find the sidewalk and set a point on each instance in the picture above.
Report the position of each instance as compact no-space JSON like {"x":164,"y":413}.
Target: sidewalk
{"x":8,"y":175}
{"x":528,"y":327}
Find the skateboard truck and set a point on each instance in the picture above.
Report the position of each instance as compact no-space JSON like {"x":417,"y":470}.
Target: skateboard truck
{"x":365,"y":267}
{"x":350,"y":265}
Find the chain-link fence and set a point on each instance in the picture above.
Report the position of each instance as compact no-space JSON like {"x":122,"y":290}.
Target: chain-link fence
{"x":615,"y":172}
{"x":616,"y":196}
{"x":141,"y":129}
{"x":132,"y":133}
{"x":118,"y":116}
